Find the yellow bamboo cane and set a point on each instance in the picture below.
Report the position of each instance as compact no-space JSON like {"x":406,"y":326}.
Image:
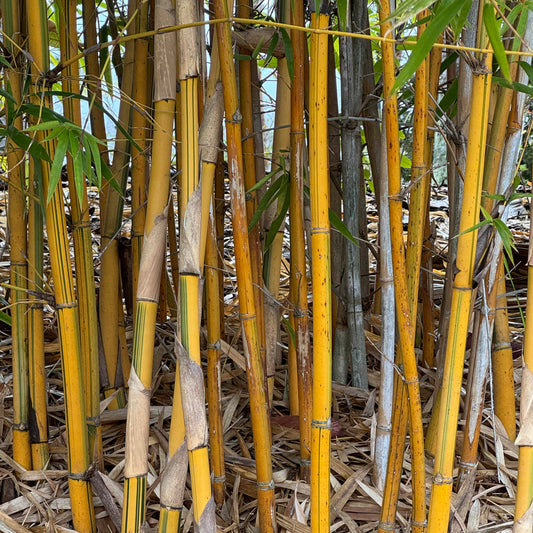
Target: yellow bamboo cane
{"x":216,"y":437}
{"x":139,"y":132}
{"x":82,"y":245}
{"x":461,"y":301}
{"x":250,"y":178}
{"x":298,"y":283}
{"x":22,"y":450}
{"x":272,"y":256}
{"x":254,"y":368}
{"x":67,"y":309}
{"x":523,"y":514}
{"x":111,"y":202}
{"x":404,"y":291}
{"x":502,"y":362}
{"x":321,"y":276}
{"x":147,"y":298}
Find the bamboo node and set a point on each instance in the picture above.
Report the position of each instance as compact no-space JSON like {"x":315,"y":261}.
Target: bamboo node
{"x":423,"y":524}
{"x":66,"y":305}
{"x":320,"y":230}
{"x":219,"y":479}
{"x":20,"y":427}
{"x":83,"y":476}
{"x":321,"y":424}
{"x":261,"y":485}
{"x":467,"y":464}
{"x":439,"y":479}
{"x":387,"y":526}
{"x":93,"y":420}
{"x":305,"y":462}
{"x":215,"y":346}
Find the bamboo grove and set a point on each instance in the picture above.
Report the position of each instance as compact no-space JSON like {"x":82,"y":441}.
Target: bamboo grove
{"x":256,"y":182}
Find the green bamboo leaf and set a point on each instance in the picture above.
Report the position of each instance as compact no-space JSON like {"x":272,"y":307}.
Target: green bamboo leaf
{"x":48,"y":125}
{"x":342,"y":13}
{"x":506,"y":236}
{"x":270,"y":195}
{"x":448,"y":102}
{"x":515,"y":86}
{"x":262,"y":181}
{"x":7,"y":95}
{"x":101,"y":108}
{"x":284,"y":197}
{"x":5,"y":318}
{"x":289,"y":56}
{"x":528,"y":69}
{"x":4,"y":62}
{"x":473,"y":228}
{"x":459,"y":21}
{"x":290,"y":330}
{"x":340,"y":226}
{"x":257,"y":49}
{"x":520,"y":195}
{"x":408,"y":9}
{"x":44,"y":114}
{"x":486,"y":214}
{"x":27,"y":143}
{"x":493,"y":31}
{"x":57,"y":164}
{"x":97,"y":158}
{"x":271,"y":48}
{"x":443,"y":16}
{"x":499,"y":197}
{"x":88,"y":169}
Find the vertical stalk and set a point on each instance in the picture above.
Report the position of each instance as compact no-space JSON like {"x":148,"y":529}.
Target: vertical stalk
{"x":502,"y":362}
{"x":461,"y":301}
{"x":404,"y":309}
{"x":321,"y":275}
{"x":22,"y":396}
{"x":352,"y":94}
{"x":139,"y":132}
{"x":272,"y":256}
{"x":152,"y":259}
{"x":298,"y":280}
{"x":386,"y":283}
{"x":249,"y":160}
{"x":216,"y":436}
{"x":67,"y":308}
{"x":254,"y":368}
{"x":524,"y":490}
{"x":111,"y":202}
{"x":82,"y":244}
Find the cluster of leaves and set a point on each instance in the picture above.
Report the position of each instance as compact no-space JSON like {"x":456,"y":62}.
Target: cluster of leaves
{"x":67,"y":138}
